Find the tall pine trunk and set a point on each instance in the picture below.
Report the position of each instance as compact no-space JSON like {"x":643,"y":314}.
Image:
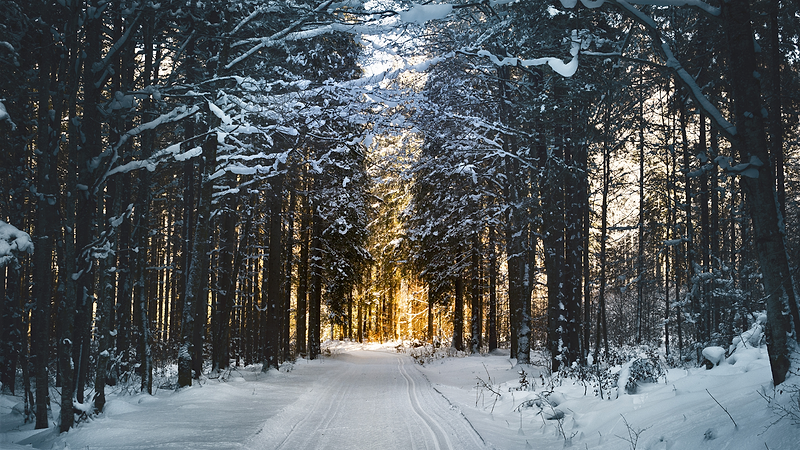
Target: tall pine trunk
{"x":476,"y":300}
{"x":458,"y":313}
{"x":226,"y":286}
{"x":602,"y":327}
{"x":303,"y":271}
{"x":274,"y":275}
{"x":190,"y":355}
{"x":492,"y":325}
{"x":751,"y":144}
{"x":45,"y":231}
{"x":68,"y":285}
{"x":315,"y":298}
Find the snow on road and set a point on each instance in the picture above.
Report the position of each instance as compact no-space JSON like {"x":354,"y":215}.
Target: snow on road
{"x":358,"y":399}
{"x":367,"y":399}
{"x":371,"y":397}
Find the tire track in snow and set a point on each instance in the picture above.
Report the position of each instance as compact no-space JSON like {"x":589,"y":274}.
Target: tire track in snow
{"x":364,"y":400}
{"x":448,"y":416}
{"x":333,"y":395}
{"x":439,"y":435}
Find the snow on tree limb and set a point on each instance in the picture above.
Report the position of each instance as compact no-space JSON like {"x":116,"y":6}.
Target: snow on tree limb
{"x":726,"y":127}
{"x":723,"y":125}
{"x":5,"y":117}
{"x":13,"y":240}
{"x":565,"y":69}
{"x":179,"y":113}
{"x":271,"y":40}
{"x":592,"y":4}
{"x":423,"y":13}
{"x":112,"y":52}
{"x":700,"y":4}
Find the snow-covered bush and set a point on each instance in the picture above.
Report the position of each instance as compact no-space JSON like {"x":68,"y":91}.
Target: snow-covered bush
{"x":423,"y":353}
{"x":646,"y":369}
{"x":752,"y":338}
{"x":622,"y":369}
{"x":713,"y":356}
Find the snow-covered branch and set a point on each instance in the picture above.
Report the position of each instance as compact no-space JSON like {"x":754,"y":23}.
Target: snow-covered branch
{"x":13,"y":240}
{"x":5,"y":117}
{"x":723,"y":125}
{"x":565,"y":69}
{"x":179,"y":113}
{"x":112,"y":53}
{"x":700,"y":4}
{"x":271,"y":40}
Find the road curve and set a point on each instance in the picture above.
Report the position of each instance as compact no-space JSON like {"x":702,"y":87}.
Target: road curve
{"x":368,"y":400}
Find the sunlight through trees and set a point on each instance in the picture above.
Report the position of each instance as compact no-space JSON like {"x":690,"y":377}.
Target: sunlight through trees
{"x":208,"y":184}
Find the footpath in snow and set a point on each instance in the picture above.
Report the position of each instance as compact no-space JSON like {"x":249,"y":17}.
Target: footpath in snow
{"x":370,"y":397}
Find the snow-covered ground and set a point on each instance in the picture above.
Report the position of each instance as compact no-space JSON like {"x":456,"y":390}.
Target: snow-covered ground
{"x":372,"y":396}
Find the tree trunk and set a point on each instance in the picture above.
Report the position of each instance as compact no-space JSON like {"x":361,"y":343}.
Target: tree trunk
{"x":492,"y":291}
{"x":68,"y":285}
{"x":11,"y":325}
{"x":694,"y":302}
{"x":274,"y":276}
{"x":519,"y":305}
{"x":190,"y":356}
{"x":553,"y":231}
{"x":476,"y":301}
{"x":286,"y":288}
{"x":105,"y":305}
{"x":45,"y":232}
{"x":315,"y":300}
{"x":576,"y":155}
{"x":458,"y":313}
{"x":640,"y":247}
{"x":707,"y":326}
{"x":303,"y":274}
{"x":775,"y":105}
{"x":602,"y":328}
{"x":751,"y":144}
{"x":714,"y":250}
{"x":429,"y":333}
{"x":226,"y":284}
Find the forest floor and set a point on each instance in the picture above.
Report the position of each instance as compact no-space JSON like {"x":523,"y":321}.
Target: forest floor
{"x":375,"y":396}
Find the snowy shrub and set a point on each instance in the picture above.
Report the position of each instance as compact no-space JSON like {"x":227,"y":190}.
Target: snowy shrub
{"x":713,"y":355}
{"x":587,"y":376}
{"x":425,"y":353}
{"x":752,"y":338}
{"x":524,"y":383}
{"x":622,"y":369}
{"x":542,"y":402}
{"x":642,"y":370}
{"x":636,"y":365}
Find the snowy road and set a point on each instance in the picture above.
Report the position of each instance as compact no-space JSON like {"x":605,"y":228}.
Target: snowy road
{"x":368,"y":400}
{"x":368,"y":397}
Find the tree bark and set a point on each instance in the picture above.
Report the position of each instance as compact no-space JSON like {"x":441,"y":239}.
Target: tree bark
{"x":458,"y":313}
{"x":274,"y":276}
{"x":760,"y":194}
{"x":190,"y":355}
{"x":226,"y":284}
{"x":602,"y":327}
{"x":315,"y":300}
{"x":492,"y":290}
{"x":554,"y":237}
{"x":68,"y":285}
{"x":288,"y":264}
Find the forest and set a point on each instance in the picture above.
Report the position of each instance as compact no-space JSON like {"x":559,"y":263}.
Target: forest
{"x":199,"y":185}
